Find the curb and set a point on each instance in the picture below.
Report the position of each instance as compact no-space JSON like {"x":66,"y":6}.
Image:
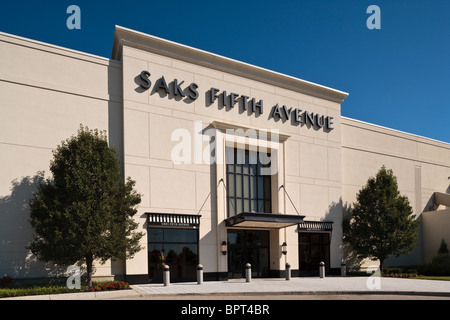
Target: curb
{"x":309,"y":293}
{"x":137,"y":294}
{"x":100,"y":295}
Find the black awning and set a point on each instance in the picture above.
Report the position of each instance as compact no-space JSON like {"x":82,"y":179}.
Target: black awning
{"x":173,"y":220}
{"x":316,"y":226}
{"x":263,"y":220}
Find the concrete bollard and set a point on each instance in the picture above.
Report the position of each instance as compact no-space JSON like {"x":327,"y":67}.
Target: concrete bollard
{"x":343,"y":270}
{"x":288,"y":271}
{"x":248,"y":272}
{"x":322,"y":269}
{"x":200,"y":274}
{"x":166,"y":275}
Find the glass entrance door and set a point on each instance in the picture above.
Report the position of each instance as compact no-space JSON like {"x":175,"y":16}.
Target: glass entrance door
{"x":248,"y":246}
{"x":313,"y":248}
{"x":178,"y":248}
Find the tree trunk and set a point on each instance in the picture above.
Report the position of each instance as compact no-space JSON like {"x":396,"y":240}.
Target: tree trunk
{"x":381,"y":266}
{"x":89,"y":262}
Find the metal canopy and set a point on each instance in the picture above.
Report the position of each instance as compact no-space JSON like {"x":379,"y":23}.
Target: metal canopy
{"x":263,"y":220}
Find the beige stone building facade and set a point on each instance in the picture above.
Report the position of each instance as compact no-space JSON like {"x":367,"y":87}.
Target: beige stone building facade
{"x":236,"y":164}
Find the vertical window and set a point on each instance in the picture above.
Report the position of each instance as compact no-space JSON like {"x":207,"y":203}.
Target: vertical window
{"x":313,"y":248}
{"x":175,"y":247}
{"x":248,"y":190}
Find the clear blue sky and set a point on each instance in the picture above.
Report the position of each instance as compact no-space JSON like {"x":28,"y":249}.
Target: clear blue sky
{"x":398,"y":76}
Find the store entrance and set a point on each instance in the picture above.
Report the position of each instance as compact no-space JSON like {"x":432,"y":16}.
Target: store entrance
{"x":175,"y":247}
{"x":248,"y":246}
{"x":313,"y":248}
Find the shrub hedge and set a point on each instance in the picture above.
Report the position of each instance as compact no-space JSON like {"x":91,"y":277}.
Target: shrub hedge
{"x":439,"y":265}
{"x":110,"y":285}
{"x":41,"y":290}
{"x":32,"y":291}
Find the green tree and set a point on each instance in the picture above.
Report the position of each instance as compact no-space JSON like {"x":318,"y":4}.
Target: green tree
{"x":443,"y":249}
{"x":382,"y":222}
{"x":84,"y":212}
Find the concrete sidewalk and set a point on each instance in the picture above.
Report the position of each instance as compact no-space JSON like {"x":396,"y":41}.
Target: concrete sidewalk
{"x":328,"y":285}
{"x":297,"y":286}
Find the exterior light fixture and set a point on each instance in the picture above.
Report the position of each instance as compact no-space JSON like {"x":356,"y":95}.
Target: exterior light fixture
{"x":223,"y":247}
{"x":284,"y":248}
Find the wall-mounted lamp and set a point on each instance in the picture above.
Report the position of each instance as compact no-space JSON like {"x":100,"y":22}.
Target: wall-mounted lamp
{"x":284,"y":248}
{"x":223,"y":247}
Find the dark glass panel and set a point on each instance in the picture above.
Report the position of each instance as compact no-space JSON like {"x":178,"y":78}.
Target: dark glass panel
{"x":245,"y":184}
{"x":231,"y":185}
{"x":177,"y":248}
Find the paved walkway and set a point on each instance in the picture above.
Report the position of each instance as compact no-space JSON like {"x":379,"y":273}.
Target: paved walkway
{"x":298,"y":286}
{"x":328,"y":285}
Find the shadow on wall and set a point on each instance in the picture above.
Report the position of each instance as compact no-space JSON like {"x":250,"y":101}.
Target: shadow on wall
{"x":349,"y":257}
{"x":16,"y":233}
{"x":429,"y":206}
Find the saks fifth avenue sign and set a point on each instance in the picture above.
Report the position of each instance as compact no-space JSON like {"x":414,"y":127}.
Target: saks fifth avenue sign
{"x":179,"y":90}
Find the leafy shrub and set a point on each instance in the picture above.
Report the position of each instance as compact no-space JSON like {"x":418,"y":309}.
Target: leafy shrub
{"x":401,"y":272}
{"x":411,"y":271}
{"x":6,"y":281}
{"x":17,"y":292}
{"x":110,"y":285}
{"x":402,"y":275}
{"x":439,"y":265}
{"x":404,"y":269}
{"x":392,"y":270}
